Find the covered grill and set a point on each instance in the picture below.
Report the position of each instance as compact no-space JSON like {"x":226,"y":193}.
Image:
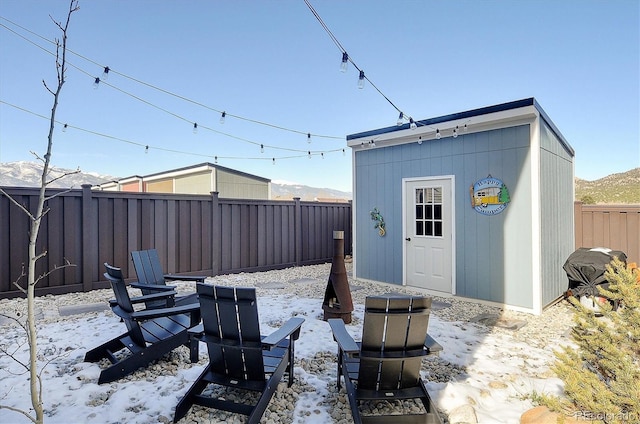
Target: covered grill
{"x":585,"y":269}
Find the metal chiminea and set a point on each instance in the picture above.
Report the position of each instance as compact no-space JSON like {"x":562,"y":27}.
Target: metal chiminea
{"x":337,"y":297}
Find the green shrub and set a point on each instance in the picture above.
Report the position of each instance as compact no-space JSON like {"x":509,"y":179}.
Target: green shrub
{"x":602,"y":375}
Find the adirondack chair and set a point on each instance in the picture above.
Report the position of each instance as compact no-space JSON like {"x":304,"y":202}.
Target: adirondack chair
{"x":151,"y":333}
{"x":152,"y":279}
{"x":386,"y":364}
{"x":239,"y":357}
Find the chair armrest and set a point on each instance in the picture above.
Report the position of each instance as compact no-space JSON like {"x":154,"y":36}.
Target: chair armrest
{"x":342,"y":337}
{"x":290,"y":328}
{"x":196,"y":278}
{"x":433,"y":347}
{"x":154,"y":296}
{"x":156,"y":287}
{"x":164,"y":312}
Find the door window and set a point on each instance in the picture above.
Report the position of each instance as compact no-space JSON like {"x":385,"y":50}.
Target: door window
{"x":428,"y":204}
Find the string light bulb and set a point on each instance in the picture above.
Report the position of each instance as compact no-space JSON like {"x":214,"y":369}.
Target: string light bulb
{"x":64,"y":128}
{"x":412,"y":124}
{"x":96,"y":83}
{"x":465,"y":128}
{"x":308,"y":137}
{"x":222,"y":117}
{"x":345,"y":62}
{"x":105,"y":73}
{"x":309,"y":154}
{"x":195,"y":128}
{"x":215,"y":159}
{"x":420,"y":140}
{"x":322,"y":155}
{"x":343,"y":153}
{"x":372,"y":143}
{"x":400,"y":119}
{"x":273,"y":161}
{"x":361,"y":80}
{"x":455,"y":132}
{"x":146,"y":149}
{"x":262,"y":148}
{"x":438,"y":135}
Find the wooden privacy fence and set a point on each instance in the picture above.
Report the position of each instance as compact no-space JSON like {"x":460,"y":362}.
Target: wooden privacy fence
{"x":196,"y":234}
{"x":614,"y":226}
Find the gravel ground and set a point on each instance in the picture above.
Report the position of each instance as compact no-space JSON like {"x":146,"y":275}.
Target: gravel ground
{"x":537,"y":331}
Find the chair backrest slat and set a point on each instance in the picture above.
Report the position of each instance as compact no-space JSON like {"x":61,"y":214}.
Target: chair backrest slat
{"x":231,"y":315}
{"x":392,"y":324}
{"x":115,"y":278}
{"x":148,"y":266}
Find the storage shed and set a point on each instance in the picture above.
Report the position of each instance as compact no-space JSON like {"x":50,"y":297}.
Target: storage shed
{"x":476,"y":204}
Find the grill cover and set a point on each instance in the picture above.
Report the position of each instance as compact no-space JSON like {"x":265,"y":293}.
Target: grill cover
{"x":586,"y":267}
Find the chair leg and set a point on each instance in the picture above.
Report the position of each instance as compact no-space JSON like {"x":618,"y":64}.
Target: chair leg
{"x":351,"y":394}
{"x":267,"y":394}
{"x":187,"y":400}
{"x":105,"y":350}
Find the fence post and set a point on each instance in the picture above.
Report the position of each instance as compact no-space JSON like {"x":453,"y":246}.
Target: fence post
{"x":577,"y":219}
{"x":297,"y":213}
{"x":215,"y":233}
{"x":88,"y":250}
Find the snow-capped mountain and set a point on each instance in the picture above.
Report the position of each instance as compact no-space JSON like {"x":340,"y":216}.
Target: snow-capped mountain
{"x":28,"y":174}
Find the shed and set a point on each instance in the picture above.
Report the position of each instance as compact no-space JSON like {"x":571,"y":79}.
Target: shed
{"x":202,"y":178}
{"x":476,"y":204}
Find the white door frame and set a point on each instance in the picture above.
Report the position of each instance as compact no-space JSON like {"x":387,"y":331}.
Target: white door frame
{"x":452,"y":179}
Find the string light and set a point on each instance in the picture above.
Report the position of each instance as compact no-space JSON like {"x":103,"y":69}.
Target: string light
{"x":420,"y":140}
{"x":222,"y":117}
{"x":146,"y":149}
{"x":343,"y":152}
{"x":262,"y":148}
{"x":164,"y":91}
{"x":400,"y":119}
{"x":345,"y":62}
{"x":438,"y":134}
{"x":361,"y":80}
{"x":465,"y":128}
{"x":412,"y":124}
{"x":273,"y":161}
{"x":455,"y":132}
{"x":195,"y":128}
{"x":64,"y":128}
{"x":96,"y":83}
{"x":322,"y":155}
{"x":105,"y":73}
{"x":215,"y":160}
{"x":308,"y":137}
{"x":309,"y":154}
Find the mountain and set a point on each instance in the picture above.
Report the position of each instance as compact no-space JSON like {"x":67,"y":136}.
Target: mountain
{"x":287,"y":191}
{"x":622,"y":187}
{"x":28,"y":174}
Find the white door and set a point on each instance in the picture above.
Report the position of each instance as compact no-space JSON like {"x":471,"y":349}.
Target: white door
{"x":428,"y":234}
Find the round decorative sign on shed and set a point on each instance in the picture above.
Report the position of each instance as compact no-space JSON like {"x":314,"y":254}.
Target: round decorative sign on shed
{"x":489,"y":196}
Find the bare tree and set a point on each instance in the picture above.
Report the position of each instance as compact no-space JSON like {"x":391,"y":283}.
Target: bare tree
{"x":36,"y":217}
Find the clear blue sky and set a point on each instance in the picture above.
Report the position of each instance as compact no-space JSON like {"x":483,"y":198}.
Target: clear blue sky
{"x":271,"y":61}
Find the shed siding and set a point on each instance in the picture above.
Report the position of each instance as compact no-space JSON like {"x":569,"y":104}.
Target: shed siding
{"x":556,"y":201}
{"x":194,"y":183}
{"x":489,"y":249}
{"x":235,"y":186}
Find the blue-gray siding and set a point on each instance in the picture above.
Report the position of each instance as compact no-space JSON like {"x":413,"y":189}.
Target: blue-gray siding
{"x":556,"y":202}
{"x":489,"y":249}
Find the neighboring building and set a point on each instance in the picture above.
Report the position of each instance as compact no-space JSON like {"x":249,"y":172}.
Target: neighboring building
{"x":197,"y":179}
{"x":477,"y":204}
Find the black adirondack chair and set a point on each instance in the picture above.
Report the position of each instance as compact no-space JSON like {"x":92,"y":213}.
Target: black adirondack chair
{"x":386,"y":364}
{"x":152,"y":279}
{"x":239,"y":357}
{"x":151,"y":333}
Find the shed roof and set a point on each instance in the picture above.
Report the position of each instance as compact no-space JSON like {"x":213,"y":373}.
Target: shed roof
{"x":470,"y":114}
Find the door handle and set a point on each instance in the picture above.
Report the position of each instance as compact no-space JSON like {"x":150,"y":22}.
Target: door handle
{"x":408,"y":239}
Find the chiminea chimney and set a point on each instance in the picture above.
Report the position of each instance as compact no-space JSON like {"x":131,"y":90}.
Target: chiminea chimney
{"x":337,"y":297}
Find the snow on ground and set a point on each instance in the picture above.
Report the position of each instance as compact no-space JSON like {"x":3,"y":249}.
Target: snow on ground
{"x":499,"y":373}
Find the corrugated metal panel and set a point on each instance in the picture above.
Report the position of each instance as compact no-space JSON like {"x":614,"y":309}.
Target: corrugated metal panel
{"x":556,"y":201}
{"x":194,"y":183}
